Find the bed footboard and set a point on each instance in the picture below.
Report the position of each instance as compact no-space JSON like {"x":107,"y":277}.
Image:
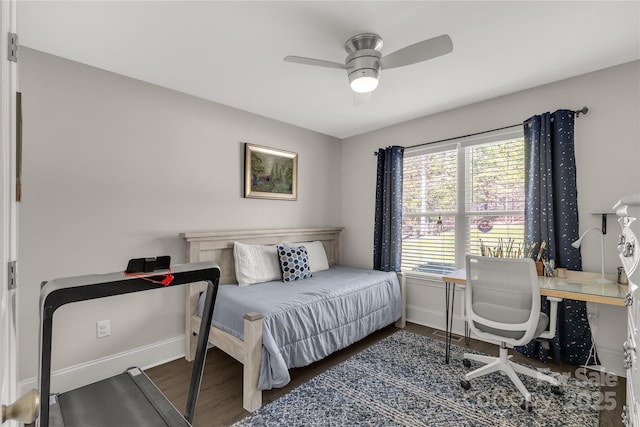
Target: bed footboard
{"x":251,"y":396}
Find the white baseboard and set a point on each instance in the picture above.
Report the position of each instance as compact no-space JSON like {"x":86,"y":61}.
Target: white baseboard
{"x":434,"y":319}
{"x":95,"y":370}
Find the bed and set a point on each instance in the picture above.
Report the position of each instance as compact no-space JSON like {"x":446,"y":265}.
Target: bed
{"x":249,"y":328}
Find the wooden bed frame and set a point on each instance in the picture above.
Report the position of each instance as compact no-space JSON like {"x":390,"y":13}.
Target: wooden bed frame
{"x":217,"y":246}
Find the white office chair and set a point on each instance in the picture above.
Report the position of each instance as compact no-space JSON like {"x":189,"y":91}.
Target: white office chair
{"x":502,"y":300}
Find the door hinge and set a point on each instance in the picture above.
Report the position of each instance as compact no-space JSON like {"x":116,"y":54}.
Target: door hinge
{"x":12,"y":275}
{"x":12,"y":51}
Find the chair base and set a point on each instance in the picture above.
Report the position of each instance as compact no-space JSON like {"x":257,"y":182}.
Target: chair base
{"x":504,"y":364}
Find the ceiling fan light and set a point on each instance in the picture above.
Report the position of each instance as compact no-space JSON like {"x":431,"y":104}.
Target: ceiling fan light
{"x":364,"y":84}
{"x":364,"y":80}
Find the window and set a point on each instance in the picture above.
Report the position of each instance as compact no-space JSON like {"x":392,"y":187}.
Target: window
{"x":463,"y":198}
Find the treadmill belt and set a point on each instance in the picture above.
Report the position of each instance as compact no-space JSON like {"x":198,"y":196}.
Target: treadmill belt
{"x":128,"y":399}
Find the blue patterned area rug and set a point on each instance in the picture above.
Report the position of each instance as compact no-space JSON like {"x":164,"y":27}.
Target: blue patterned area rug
{"x":403,"y":381}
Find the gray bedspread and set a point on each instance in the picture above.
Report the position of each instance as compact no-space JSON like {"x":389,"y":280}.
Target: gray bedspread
{"x":306,"y":320}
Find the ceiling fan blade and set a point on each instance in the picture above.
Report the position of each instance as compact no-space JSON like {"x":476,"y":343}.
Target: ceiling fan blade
{"x":312,"y":61}
{"x":418,"y":52}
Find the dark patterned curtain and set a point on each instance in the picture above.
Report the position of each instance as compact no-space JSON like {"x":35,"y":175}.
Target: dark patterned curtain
{"x":387,"y":238}
{"x":551,"y":215}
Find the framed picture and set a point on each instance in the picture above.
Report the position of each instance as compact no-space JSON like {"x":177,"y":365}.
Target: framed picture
{"x":270,"y":173}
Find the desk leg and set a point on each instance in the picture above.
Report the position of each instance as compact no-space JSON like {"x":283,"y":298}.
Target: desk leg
{"x":467,"y":335}
{"x":450,"y":291}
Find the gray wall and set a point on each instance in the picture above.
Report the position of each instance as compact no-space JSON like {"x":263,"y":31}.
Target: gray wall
{"x":114,"y":168}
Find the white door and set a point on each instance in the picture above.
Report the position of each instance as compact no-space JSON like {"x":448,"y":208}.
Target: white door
{"x":8,"y":85}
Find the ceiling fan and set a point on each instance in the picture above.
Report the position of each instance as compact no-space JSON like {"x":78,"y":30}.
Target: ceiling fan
{"x":364,"y":60}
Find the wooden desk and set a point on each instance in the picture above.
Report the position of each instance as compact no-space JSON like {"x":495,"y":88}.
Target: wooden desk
{"x":578,"y":285}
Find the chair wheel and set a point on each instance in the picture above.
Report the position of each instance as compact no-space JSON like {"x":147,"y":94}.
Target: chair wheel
{"x":557,"y":390}
{"x":526,"y":406}
{"x":465,"y":384}
{"x":466,"y":363}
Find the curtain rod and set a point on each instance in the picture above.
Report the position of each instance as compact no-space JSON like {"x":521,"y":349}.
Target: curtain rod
{"x":583,"y":110}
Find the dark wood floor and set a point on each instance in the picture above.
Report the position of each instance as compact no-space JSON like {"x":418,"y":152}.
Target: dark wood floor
{"x":220,"y":400}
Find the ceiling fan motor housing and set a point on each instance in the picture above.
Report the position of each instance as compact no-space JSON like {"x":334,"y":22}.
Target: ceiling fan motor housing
{"x":364,"y":56}
{"x":365,"y":62}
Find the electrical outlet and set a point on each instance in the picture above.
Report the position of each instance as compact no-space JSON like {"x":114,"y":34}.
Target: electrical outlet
{"x":103,"y":328}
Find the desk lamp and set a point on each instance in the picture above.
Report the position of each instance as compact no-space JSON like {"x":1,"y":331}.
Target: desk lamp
{"x":577,"y":244}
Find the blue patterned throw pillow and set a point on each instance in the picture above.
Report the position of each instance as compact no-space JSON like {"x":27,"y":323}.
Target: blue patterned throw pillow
{"x":294,"y":263}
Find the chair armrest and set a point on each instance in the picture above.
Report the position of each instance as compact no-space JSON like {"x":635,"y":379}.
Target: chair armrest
{"x":553,"y":318}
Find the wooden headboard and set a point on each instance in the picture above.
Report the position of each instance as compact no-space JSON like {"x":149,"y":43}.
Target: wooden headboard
{"x":217,"y":246}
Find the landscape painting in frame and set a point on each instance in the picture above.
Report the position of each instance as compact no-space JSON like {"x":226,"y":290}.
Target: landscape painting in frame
{"x":270,"y":173}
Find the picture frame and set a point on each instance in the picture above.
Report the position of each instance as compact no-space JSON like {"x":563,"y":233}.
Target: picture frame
{"x":270,"y":173}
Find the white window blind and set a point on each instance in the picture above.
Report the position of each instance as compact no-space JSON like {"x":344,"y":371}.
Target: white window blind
{"x":457,"y":200}
{"x":494,"y":184}
{"x":429,"y":209}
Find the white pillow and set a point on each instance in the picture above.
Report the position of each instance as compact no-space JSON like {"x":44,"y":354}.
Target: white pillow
{"x":316,"y":253}
{"x":256,"y":263}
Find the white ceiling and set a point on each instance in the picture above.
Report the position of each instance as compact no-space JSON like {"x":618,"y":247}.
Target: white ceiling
{"x":231,"y":52}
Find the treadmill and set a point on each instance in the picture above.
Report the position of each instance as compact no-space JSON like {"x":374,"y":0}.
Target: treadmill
{"x":129,"y":398}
